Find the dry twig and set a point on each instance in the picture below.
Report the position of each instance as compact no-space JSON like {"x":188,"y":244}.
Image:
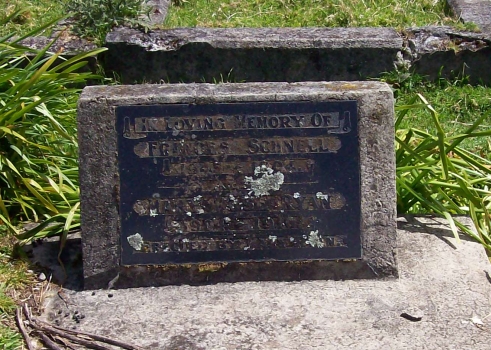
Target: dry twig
{"x":23,"y":331}
{"x":48,"y":342}
{"x":65,"y":336}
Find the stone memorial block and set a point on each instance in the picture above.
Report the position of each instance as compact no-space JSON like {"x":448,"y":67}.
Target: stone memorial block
{"x":196,"y":183}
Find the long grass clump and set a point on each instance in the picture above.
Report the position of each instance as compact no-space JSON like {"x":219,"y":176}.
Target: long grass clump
{"x":436,"y":175}
{"x":38,"y":145}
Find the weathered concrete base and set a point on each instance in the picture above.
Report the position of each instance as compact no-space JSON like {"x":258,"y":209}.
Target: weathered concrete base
{"x":441,"y":281}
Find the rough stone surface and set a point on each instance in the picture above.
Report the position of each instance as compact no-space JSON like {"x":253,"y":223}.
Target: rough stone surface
{"x":100,"y":186}
{"x":443,"y":286}
{"x":251,"y":54}
{"x":70,"y":46}
{"x":476,"y":11}
{"x":444,"y":52}
{"x":157,"y":11}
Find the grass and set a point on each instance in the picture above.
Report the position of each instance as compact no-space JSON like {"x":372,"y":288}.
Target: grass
{"x":92,"y":18}
{"x":14,"y":281}
{"x":458,"y":104}
{"x":9,"y":338}
{"x":36,"y":13}
{"x":308,"y":13}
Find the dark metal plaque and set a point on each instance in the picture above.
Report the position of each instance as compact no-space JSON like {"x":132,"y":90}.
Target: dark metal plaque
{"x":239,"y":182}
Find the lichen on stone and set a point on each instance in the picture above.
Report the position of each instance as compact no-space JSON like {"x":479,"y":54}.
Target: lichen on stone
{"x":315,"y":240}
{"x":269,"y":181}
{"x":135,"y":241}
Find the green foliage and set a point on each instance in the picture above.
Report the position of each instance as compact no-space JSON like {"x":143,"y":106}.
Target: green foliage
{"x":307,"y":13}
{"x":38,"y":146}
{"x":95,"y":18}
{"x":435,"y":174}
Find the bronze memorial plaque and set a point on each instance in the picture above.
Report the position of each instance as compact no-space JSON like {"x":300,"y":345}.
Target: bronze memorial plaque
{"x":239,"y":182}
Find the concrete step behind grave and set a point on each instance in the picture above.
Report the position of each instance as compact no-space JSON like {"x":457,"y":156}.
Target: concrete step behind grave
{"x":294,"y":54}
{"x":251,"y":54}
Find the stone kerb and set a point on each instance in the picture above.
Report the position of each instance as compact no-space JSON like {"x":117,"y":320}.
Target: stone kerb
{"x":251,"y":54}
{"x":100,"y":186}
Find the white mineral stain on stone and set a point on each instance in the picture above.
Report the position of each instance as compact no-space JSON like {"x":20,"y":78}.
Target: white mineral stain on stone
{"x":267,"y":182}
{"x":321,"y":195}
{"x":153,"y":213}
{"x":296,"y":195}
{"x":315,"y":240}
{"x":135,"y":241}
{"x":273,"y":238}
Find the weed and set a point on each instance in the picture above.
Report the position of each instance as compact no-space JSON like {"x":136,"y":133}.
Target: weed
{"x":95,"y":18}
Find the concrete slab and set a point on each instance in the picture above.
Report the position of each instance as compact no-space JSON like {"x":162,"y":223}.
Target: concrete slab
{"x":442,"y":283}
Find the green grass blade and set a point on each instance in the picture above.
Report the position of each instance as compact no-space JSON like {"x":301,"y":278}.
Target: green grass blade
{"x":452,"y":225}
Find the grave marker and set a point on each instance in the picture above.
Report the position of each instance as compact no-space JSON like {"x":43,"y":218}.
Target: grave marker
{"x":232,"y":173}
